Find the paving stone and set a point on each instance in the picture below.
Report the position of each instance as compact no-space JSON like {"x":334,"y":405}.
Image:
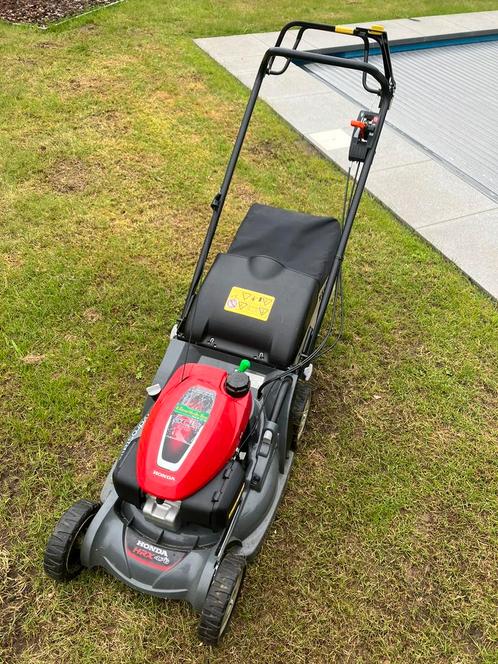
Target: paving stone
{"x":318,"y":112}
{"x":426,"y":193}
{"x":295,"y":82}
{"x":474,"y":21}
{"x":232,"y":46}
{"x":269,"y":39}
{"x":394,"y":150}
{"x":332,"y":139}
{"x":472,"y":243}
{"x":238,"y":64}
{"x":424,"y":27}
{"x":401,"y":29}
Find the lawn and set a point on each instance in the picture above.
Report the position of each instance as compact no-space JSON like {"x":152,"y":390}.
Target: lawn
{"x":114,"y":132}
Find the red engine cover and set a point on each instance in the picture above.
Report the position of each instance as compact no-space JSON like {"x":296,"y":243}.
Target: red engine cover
{"x":192,"y":431}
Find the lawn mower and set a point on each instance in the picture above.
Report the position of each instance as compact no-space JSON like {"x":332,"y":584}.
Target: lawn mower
{"x":196,"y":487}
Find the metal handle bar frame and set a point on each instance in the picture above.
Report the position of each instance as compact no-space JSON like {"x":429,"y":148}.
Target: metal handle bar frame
{"x":365,"y":34}
{"x":386,"y":91}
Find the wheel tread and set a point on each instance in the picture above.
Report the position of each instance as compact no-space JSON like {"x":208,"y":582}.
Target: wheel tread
{"x":62,"y":539}
{"x":215,"y":606}
{"x":302,"y":394}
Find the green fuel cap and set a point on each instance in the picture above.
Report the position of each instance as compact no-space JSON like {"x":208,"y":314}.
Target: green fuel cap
{"x":244,"y":365}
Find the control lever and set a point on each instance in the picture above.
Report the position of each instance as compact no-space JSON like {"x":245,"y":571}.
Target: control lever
{"x":363,"y":135}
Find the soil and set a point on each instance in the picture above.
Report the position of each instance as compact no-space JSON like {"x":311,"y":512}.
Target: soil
{"x":42,"y":12}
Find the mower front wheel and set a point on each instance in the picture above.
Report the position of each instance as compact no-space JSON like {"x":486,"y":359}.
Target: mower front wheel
{"x":62,"y":555}
{"x":221,"y":598}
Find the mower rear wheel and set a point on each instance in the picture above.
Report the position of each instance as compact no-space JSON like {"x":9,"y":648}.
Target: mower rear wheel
{"x":62,"y":555}
{"x":300,"y":408}
{"x":221,"y":598}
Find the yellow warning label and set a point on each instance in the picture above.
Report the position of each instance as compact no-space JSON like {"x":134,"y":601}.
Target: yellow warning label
{"x":249,"y":303}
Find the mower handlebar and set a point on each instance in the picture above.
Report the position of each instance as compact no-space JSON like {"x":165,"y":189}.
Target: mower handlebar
{"x":375,"y":33}
{"x":321,"y":58}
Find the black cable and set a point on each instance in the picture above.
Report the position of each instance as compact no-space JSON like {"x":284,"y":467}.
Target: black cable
{"x":345,"y":199}
{"x":321,"y":348}
{"x":257,"y":419}
{"x":355,"y":185}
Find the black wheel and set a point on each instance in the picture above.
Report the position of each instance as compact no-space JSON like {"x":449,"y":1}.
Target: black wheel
{"x":221,"y":598}
{"x":300,"y":409}
{"x":62,"y":555}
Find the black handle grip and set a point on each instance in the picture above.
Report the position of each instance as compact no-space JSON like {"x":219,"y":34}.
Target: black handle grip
{"x":321,"y":58}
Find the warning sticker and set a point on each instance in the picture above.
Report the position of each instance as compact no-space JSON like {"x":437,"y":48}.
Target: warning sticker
{"x":249,"y":303}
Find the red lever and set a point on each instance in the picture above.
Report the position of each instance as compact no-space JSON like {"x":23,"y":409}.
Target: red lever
{"x":359,"y":124}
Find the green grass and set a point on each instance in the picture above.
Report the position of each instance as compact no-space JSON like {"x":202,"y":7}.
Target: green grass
{"x":114,"y":132}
